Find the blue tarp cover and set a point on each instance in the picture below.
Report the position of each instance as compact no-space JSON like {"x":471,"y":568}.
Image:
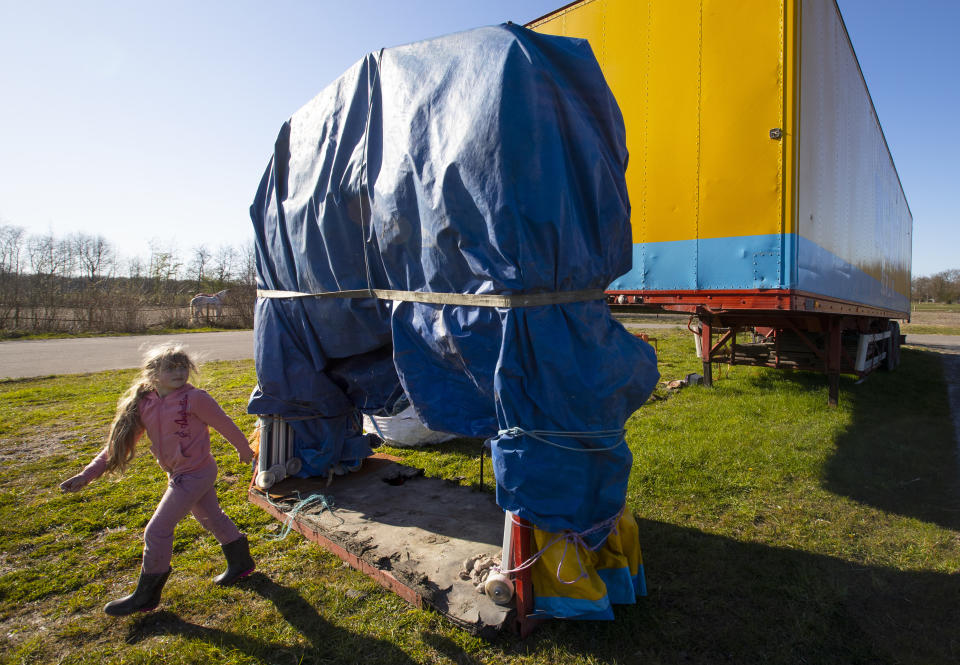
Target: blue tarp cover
{"x":485,"y":162}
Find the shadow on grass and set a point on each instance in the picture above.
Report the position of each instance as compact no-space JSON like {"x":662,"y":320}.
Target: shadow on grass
{"x":899,"y":452}
{"x":463,"y":445}
{"x":328,"y":643}
{"x":713,"y":599}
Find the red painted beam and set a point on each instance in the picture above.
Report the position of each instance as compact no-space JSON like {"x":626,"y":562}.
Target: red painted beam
{"x":775,"y":300}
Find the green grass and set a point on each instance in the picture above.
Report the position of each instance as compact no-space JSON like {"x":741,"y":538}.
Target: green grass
{"x":919,"y":329}
{"x":831,"y":533}
{"x":935,"y":307}
{"x":774,"y":529}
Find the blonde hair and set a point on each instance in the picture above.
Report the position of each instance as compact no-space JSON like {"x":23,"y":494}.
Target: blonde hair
{"x":126,"y":424}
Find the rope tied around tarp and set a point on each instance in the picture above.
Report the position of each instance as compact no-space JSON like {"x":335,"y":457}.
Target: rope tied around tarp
{"x":539,"y":434}
{"x":303,"y":504}
{"x":569,"y":538}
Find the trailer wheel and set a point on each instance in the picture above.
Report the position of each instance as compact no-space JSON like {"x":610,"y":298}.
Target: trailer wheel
{"x":893,"y":347}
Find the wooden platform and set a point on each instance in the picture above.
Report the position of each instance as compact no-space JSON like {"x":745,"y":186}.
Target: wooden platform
{"x":408,"y":532}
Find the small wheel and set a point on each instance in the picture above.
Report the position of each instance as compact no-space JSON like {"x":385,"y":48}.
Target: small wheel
{"x":279,"y":472}
{"x":293,"y":465}
{"x":499,"y":588}
{"x":265,"y":480}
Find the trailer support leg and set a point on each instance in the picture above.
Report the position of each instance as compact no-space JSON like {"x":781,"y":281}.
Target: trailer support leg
{"x":520,"y":552}
{"x":833,"y":361}
{"x":706,"y":347}
{"x":733,"y":345}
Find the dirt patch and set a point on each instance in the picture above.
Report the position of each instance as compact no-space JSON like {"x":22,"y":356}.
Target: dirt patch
{"x":38,"y":446}
{"x":28,"y":623}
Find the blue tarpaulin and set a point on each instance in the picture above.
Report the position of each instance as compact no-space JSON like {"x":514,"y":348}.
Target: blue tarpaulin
{"x":485,"y":163}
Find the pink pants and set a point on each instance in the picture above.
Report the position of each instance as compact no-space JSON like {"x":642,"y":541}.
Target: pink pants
{"x":186,"y":493}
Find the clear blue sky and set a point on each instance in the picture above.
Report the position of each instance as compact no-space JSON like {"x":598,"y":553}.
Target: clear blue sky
{"x":154,"y":120}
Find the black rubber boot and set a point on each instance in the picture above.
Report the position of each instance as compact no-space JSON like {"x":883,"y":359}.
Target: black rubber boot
{"x":239,"y":562}
{"x":144,"y":598}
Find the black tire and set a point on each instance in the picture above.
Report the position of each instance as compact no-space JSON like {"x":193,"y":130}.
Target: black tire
{"x":893,"y":347}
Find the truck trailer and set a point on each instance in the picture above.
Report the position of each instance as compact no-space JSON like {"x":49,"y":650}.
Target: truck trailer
{"x":765,"y":201}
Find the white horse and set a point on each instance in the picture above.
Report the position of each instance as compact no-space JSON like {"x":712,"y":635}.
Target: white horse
{"x":202,"y":302}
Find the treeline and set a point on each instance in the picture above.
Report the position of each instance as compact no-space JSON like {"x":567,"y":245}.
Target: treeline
{"x":79,"y":283}
{"x":942,"y":287}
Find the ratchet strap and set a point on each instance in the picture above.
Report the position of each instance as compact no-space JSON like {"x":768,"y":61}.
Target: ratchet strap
{"x":469,"y":299}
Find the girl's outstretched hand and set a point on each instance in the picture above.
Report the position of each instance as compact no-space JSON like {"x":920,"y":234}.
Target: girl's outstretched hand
{"x":73,"y":484}
{"x":246,"y":455}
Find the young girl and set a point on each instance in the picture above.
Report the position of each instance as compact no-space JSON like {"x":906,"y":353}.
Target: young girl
{"x":175,"y":416}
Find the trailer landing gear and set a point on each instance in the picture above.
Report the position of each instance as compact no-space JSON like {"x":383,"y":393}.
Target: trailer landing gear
{"x":831,"y":344}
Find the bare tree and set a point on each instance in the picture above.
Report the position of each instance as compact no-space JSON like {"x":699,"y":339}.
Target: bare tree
{"x":943,"y":286}
{"x":95,"y":255}
{"x":950,"y":289}
{"x":223,"y":264}
{"x":199,"y":264}
{"x":11,"y":275}
{"x":135,"y":268}
{"x":49,"y":256}
{"x":11,"y":249}
{"x":52,"y":262}
{"x":164,"y":267}
{"x":248,"y":264}
{"x":921,"y":289}
{"x":165,"y":263}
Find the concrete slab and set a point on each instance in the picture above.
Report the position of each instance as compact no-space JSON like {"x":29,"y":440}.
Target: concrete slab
{"x":409,"y":533}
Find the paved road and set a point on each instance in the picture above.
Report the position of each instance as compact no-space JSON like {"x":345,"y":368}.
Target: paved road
{"x":941,"y":343}
{"x":44,"y":357}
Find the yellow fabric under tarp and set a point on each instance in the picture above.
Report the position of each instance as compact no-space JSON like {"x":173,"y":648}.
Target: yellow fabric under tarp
{"x":572,"y":581}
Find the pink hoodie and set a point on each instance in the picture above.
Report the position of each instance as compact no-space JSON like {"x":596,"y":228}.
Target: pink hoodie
{"x":177,"y":427}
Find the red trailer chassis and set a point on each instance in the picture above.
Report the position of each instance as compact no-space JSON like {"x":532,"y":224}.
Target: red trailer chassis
{"x":788,"y":330}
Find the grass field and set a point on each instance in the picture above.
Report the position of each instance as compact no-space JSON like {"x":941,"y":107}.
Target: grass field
{"x":930,"y":318}
{"x":935,"y":307}
{"x":774,"y":529}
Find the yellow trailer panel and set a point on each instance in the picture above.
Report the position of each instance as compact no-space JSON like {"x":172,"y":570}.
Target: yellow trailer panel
{"x":682,"y":72}
{"x":744,"y":118}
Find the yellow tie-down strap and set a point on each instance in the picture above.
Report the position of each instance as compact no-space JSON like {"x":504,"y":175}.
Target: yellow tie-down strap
{"x":469,"y":299}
